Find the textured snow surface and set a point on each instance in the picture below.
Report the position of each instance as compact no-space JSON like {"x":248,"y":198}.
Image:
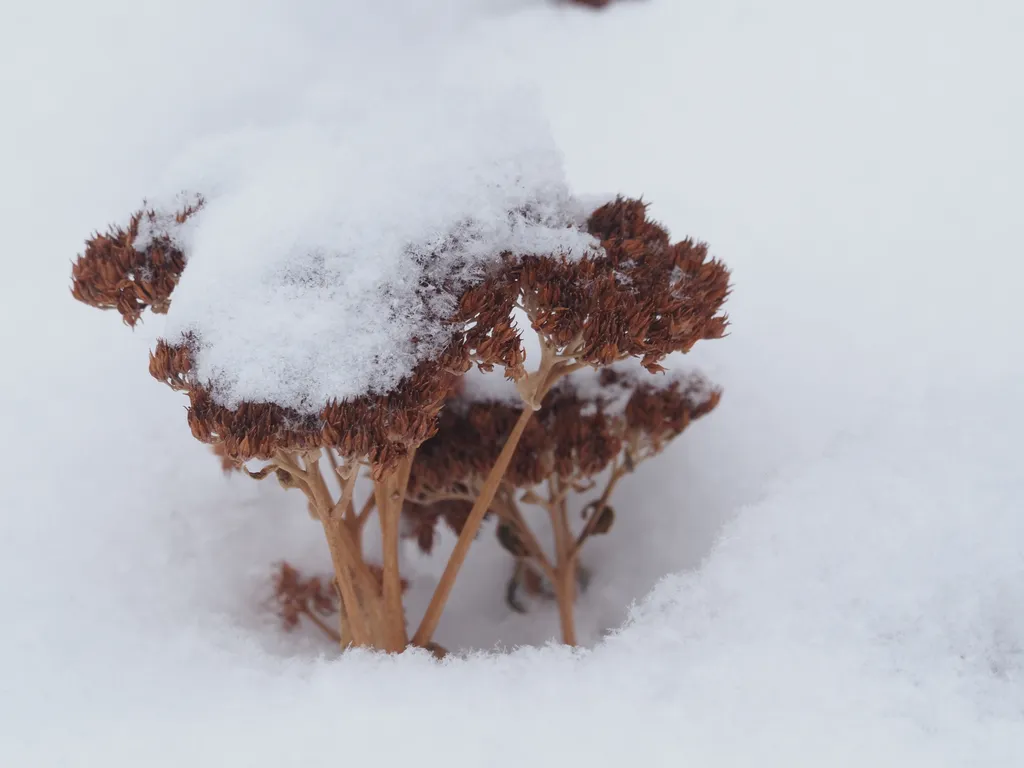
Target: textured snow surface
{"x":845,"y":530}
{"x":316,"y":268}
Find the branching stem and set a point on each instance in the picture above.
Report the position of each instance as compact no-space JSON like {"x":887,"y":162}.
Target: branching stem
{"x":532,"y":388}
{"x":565,"y":568}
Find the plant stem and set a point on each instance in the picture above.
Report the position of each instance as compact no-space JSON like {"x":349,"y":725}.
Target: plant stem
{"x":322,"y":626}
{"x":351,"y":608}
{"x":348,"y":486}
{"x":510,"y":511}
{"x":532,"y":389}
{"x":364,"y":513}
{"x":364,"y":609}
{"x":618,"y":472}
{"x":390,"y":493}
{"x":428,"y":625}
{"x":565,"y":583}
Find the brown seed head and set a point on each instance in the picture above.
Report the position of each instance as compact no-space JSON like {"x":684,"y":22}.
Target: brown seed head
{"x":587,"y":421}
{"x":644,"y":297}
{"x":295,"y":596}
{"x":112,"y":274}
{"x":640,"y":297}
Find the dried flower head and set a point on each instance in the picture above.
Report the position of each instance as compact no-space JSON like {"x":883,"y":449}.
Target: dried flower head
{"x":227,"y":464}
{"x":589,"y":420}
{"x":643,"y":296}
{"x":639,"y":296}
{"x":296,"y":596}
{"x":378,"y":428}
{"x":134,"y":268}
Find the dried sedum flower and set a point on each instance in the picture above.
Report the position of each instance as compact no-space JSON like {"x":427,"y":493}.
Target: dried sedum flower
{"x":589,"y":420}
{"x":642,"y":296}
{"x":134,"y":268}
{"x":296,"y":597}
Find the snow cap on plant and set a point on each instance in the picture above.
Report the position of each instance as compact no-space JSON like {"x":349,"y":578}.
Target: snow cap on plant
{"x":337,"y":282}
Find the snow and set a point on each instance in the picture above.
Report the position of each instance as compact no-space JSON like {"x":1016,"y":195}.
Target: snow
{"x":306,"y":267}
{"x":161,"y":221}
{"x":844,"y":530}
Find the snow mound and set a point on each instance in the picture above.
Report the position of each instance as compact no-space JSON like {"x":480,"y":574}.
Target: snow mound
{"x":330,"y":247}
{"x":865,"y":589}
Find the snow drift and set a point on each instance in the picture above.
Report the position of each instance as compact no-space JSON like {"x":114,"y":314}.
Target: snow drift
{"x":858,"y":168}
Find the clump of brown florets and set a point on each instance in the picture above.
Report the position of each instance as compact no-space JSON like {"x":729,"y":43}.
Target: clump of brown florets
{"x":589,"y":423}
{"x":297,"y":597}
{"x":115,"y":273}
{"x":314,"y":598}
{"x":643,"y":297}
{"x":378,"y":429}
{"x":584,"y":423}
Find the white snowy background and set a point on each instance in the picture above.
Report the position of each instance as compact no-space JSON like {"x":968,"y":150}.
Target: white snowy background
{"x":844,"y":534}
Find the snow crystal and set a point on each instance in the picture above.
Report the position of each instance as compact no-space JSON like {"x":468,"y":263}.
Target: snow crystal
{"x":306,"y":272}
{"x":160,"y":221}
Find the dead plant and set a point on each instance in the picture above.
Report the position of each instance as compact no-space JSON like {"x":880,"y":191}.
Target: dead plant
{"x":589,"y":426}
{"x":638,"y":296}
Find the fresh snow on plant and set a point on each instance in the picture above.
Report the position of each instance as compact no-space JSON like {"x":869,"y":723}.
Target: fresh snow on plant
{"x":330,"y":249}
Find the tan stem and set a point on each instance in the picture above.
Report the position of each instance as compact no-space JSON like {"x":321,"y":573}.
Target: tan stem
{"x":510,"y":511}
{"x":618,"y":472}
{"x":321,"y":497}
{"x":363,"y":607}
{"x":393,"y":577}
{"x":335,"y":635}
{"x":356,"y":625}
{"x":389,"y":508}
{"x":565,"y":592}
{"x":428,"y":625}
{"x":532,"y":389}
{"x":333,"y":461}
{"x":350,"y":612}
{"x":565,"y":583}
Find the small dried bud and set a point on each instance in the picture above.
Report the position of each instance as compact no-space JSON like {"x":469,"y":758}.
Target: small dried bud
{"x":587,"y":422}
